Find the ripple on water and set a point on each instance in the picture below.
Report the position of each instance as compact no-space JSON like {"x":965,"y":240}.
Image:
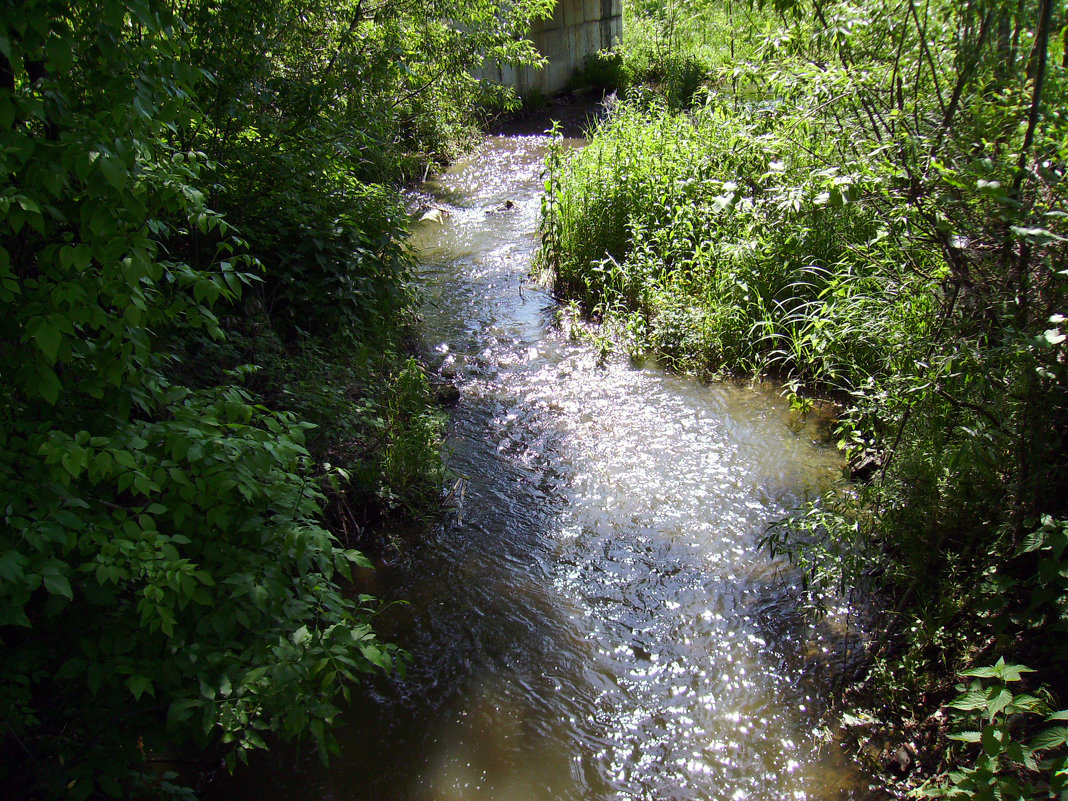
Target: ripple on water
{"x":597,"y":622}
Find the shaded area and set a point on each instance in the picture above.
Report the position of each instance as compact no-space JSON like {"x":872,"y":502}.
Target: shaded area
{"x":576,"y":113}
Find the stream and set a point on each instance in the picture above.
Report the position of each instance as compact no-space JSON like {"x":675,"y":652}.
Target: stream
{"x":595,"y":620}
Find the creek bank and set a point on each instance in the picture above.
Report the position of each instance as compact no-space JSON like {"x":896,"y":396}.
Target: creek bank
{"x":621,"y":314}
{"x":573,"y":637}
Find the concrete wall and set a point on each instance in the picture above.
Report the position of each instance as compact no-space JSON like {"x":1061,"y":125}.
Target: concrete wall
{"x":578,"y":28}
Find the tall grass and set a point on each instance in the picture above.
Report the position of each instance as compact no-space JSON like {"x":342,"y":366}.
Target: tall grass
{"x":717,"y":242}
{"x":674,"y":49}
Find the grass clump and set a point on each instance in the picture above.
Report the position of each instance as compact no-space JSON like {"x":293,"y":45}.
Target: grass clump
{"x":706,"y":231}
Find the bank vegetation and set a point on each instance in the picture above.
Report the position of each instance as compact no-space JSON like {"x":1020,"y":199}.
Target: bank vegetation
{"x":868,"y":201}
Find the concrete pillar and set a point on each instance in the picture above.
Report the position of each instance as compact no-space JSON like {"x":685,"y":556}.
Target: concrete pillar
{"x":577,"y":30}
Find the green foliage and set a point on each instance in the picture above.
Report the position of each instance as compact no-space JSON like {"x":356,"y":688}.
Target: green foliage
{"x":196,"y":221}
{"x":1008,"y":764}
{"x":369,"y":403}
{"x":411,"y":440}
{"x":1036,"y":574}
{"x":730,"y":255}
{"x":601,"y":71}
{"x":164,"y":574}
{"x":314,"y":112}
{"x":674,"y":48}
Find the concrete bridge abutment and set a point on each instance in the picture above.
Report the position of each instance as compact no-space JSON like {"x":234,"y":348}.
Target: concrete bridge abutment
{"x":577,"y":30}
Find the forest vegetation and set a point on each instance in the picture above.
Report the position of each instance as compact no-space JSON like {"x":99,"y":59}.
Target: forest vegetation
{"x":207,"y":401}
{"x":206,"y":398}
{"x":867,"y":201}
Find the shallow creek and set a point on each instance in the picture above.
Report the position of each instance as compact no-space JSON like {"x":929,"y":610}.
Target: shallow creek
{"x":595,"y":621}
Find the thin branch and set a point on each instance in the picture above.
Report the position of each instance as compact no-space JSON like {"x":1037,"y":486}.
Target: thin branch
{"x":962,"y":81}
{"x":922,"y":30}
{"x":419,"y":90}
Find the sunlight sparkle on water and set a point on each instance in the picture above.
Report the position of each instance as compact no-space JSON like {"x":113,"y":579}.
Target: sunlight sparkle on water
{"x":598,"y":623}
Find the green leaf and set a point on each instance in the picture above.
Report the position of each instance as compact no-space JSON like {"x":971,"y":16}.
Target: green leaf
{"x":991,"y":739}
{"x":357,"y":558}
{"x":28,"y":204}
{"x":57,"y":584}
{"x":999,"y":698}
{"x":1013,"y":672}
{"x":83,"y":256}
{"x":301,"y":635}
{"x":73,"y":461}
{"x":48,"y":339}
{"x":973,"y":699}
{"x":181,"y":711}
{"x":11,"y":565}
{"x":138,"y":685}
{"x":377,"y":656}
{"x":1037,"y":236}
{"x":1050,"y":738}
{"x":60,"y":55}
{"x":1032,"y":542}
{"x":48,"y":386}
{"x":113,"y":171}
{"x":71,"y":668}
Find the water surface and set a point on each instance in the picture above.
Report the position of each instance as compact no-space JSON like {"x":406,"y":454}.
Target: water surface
{"x":595,"y":621}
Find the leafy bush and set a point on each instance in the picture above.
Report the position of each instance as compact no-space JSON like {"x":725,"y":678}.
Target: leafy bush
{"x":601,"y":71}
{"x":166,"y":576}
{"x":1009,"y":764}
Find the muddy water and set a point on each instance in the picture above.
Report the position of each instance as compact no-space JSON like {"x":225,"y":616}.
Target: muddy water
{"x":596,"y":621}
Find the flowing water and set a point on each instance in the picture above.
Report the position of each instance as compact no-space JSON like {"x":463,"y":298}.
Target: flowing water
{"x":596,"y":621}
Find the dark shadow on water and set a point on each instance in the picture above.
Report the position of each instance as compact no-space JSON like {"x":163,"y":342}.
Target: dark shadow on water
{"x":576,"y":114}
